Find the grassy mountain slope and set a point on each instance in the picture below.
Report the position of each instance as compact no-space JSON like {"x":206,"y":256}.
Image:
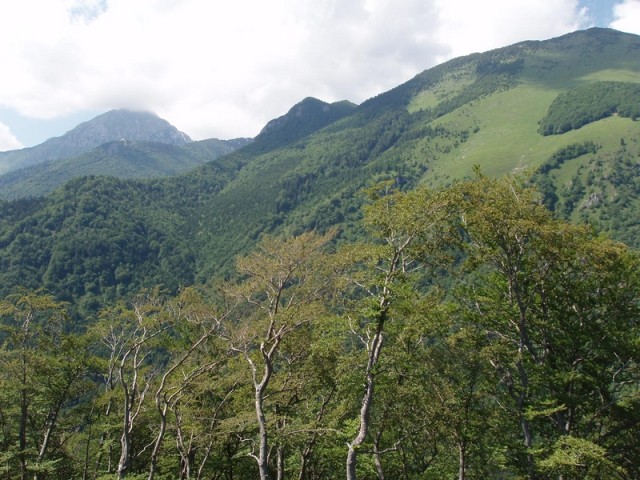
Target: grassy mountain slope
{"x":121,"y":159}
{"x":481,"y":109}
{"x":306,"y":169}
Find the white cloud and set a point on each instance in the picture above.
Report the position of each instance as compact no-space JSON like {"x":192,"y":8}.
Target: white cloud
{"x":7,"y":140}
{"x":468,"y":26}
{"x":225,"y":68}
{"x":627,"y":16}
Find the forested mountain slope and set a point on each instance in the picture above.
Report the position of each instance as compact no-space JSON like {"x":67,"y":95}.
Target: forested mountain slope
{"x":353,"y":361}
{"x":305,"y":171}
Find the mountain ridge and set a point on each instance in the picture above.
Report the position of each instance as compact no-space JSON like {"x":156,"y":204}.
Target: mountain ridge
{"x":304,"y":118}
{"x":121,"y":159}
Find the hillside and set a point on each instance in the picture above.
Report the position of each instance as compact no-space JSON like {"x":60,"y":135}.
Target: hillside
{"x":306,"y":171}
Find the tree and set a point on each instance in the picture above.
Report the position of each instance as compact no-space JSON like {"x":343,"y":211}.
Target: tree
{"x":43,"y":375}
{"x":131,"y":336}
{"x":282,"y":289}
{"x":412,"y":231}
{"x":543,"y":290}
{"x":195,"y":326}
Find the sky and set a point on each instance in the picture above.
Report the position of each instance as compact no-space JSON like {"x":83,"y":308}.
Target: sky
{"x":224,"y":68}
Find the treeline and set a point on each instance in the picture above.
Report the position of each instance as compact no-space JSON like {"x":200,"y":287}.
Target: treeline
{"x":602,"y":190}
{"x":569,"y":152}
{"x":98,"y":238}
{"x":471,"y":336}
{"x":588,"y":103}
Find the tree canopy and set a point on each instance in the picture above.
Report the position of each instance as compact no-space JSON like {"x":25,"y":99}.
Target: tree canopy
{"x":471,"y":335}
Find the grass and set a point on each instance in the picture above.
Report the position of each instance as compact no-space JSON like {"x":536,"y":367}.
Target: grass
{"x":500,"y":146}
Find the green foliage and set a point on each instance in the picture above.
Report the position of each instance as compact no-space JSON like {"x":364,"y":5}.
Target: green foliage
{"x":504,"y":345}
{"x":569,"y":152}
{"x":303,"y":119}
{"x":45,"y":385}
{"x":579,"y":458}
{"x":542,"y":300}
{"x":589,"y":103}
{"x":496,"y":317}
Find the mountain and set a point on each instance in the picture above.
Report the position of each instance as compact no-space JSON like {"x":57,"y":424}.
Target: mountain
{"x":302,"y":119}
{"x":112,"y":126}
{"x":147,"y":147}
{"x":121,"y":159}
{"x":97,"y":239}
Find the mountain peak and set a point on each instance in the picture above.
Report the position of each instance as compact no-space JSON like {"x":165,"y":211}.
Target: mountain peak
{"x":111,"y":126}
{"x":128,"y":125}
{"x":304,"y":118}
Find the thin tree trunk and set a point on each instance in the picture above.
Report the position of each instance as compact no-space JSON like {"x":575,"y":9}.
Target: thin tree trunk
{"x":280,"y":463}
{"x":260,"y":388}
{"x":153,"y":461}
{"x":374,"y":348}
{"x":53,"y":417}
{"x":263,"y":449}
{"x":125,"y":442}
{"x":462,"y":460}
{"x":376,"y":455}
{"x":367,"y":400}
{"x":129,"y":396}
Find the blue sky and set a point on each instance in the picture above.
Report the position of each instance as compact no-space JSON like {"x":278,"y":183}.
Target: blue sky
{"x":223,"y":69}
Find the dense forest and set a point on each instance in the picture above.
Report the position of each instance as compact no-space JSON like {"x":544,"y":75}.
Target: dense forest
{"x":470,"y":334}
{"x":588,"y":103}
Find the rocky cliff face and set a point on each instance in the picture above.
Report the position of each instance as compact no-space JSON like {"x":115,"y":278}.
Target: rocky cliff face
{"x":111,"y":126}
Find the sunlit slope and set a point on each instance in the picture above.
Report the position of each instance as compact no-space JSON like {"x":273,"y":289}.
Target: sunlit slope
{"x":482,"y":109}
{"x":502,"y":126}
{"x":507,"y":137}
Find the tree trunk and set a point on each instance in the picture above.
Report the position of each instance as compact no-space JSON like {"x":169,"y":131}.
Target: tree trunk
{"x":263,"y":449}
{"x":462,"y":460}
{"x":280,"y":463}
{"x":53,"y":417}
{"x":153,"y":462}
{"x":367,"y":400}
{"x":125,"y":442}
{"x":125,"y":438}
